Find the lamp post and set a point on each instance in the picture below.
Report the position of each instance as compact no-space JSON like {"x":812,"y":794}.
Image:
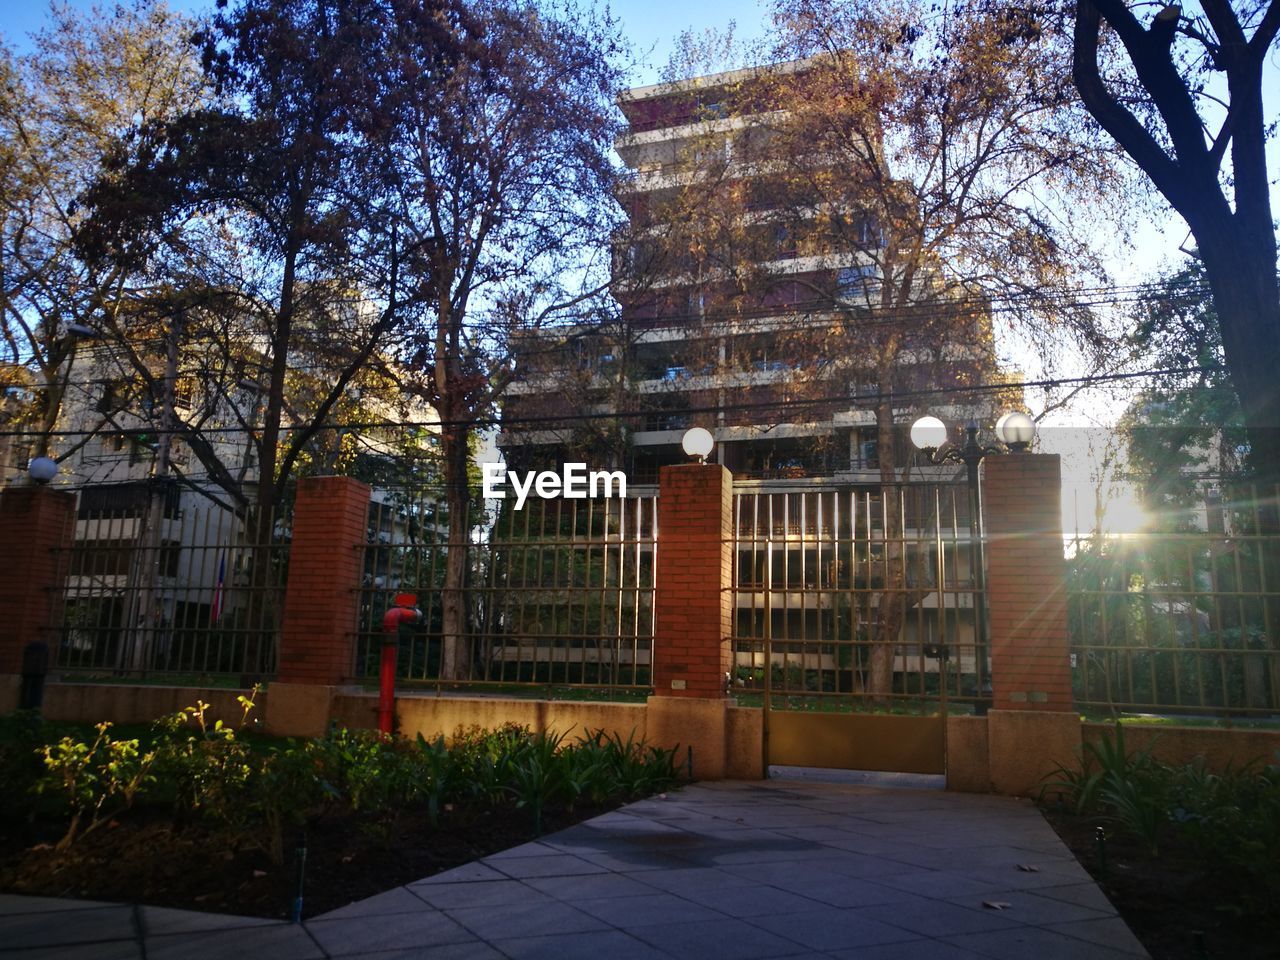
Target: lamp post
{"x":698,"y":443}
{"x":42,"y":469}
{"x":1015,"y":432}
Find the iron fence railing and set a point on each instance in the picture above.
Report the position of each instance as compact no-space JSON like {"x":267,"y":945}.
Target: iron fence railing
{"x":1178,"y":622}
{"x":848,"y":597}
{"x":179,"y":588}
{"x":559,"y":593}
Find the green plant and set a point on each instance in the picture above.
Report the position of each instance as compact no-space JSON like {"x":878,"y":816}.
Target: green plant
{"x":436,"y":768}
{"x":97,"y":779}
{"x":538,"y":775}
{"x":1127,"y":787}
{"x":206,"y":770}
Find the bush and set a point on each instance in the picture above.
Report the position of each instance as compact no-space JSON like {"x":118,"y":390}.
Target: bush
{"x":1230,"y":819}
{"x":97,"y":779}
{"x":257,"y":792}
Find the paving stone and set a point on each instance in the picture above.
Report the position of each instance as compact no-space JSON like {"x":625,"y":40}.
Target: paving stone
{"x":1108,"y":931}
{"x":935,"y":918}
{"x":1020,"y":943}
{"x":471,"y":950}
{"x":518,"y":920}
{"x":832,"y":929}
{"x":283,"y":941}
{"x":593,"y":945}
{"x":849,"y":892}
{"x":1028,"y":908}
{"x":399,"y":900}
{"x":686,"y":878}
{"x":113,"y":950}
{"x":923,"y":949}
{"x":1085,"y":894}
{"x":485,"y":893}
{"x":596,"y":886}
{"x":720,"y":940}
{"x":557,"y":865}
{"x":46,"y":928}
{"x":161,"y":920}
{"x":752,"y":900}
{"x":467,"y":873}
{"x":627,"y":913}
{"x":940,"y":884}
{"x":425,"y":928}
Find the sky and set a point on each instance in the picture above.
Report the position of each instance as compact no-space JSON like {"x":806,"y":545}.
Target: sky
{"x":1079,"y":432}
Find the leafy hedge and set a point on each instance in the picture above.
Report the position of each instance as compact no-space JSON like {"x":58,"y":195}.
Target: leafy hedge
{"x":1231,"y":819}
{"x":259,"y":790}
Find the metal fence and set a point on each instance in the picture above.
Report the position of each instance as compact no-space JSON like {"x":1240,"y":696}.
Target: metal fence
{"x":1183,"y":621}
{"x":172,"y":587}
{"x":848,"y":597}
{"x":559,"y":593}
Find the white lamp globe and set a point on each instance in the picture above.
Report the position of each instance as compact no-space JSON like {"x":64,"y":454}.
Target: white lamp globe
{"x":1016,"y":430}
{"x":928,"y":433}
{"x":697,"y":443}
{"x":42,"y":469}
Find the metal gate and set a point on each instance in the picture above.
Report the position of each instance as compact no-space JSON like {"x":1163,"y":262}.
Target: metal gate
{"x":855,"y":626}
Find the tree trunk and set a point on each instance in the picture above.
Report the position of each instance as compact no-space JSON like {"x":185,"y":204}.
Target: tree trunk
{"x":455,"y":655}
{"x":890,"y":613}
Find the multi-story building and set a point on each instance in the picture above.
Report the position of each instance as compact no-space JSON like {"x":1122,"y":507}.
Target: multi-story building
{"x":161,"y":576}
{"x":752,"y":308}
{"x":742,"y":311}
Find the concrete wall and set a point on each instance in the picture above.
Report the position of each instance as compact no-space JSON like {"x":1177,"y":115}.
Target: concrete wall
{"x":1180,"y":745}
{"x":133,"y":703}
{"x":433,"y":716}
{"x":1007,"y":752}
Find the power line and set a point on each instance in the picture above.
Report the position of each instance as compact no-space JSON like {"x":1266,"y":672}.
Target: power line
{"x":779,"y":404}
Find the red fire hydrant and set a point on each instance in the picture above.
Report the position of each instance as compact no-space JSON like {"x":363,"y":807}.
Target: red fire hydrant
{"x":405,"y":610}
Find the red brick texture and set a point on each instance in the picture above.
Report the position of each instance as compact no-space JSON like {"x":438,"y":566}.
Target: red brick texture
{"x":694,"y":565}
{"x":1026,"y":582}
{"x":37,"y":525}
{"x":330,"y":522}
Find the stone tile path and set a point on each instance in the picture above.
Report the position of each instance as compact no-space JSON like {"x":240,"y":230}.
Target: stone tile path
{"x":721,"y":870}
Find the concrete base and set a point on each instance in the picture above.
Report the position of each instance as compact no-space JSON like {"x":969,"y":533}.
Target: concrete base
{"x":299,"y":709}
{"x":744,"y":746}
{"x":968,"y":759}
{"x":692,"y":722}
{"x":1026,"y":745}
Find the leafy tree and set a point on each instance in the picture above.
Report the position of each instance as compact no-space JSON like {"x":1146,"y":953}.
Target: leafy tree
{"x":89,"y":81}
{"x":1187,"y":424}
{"x":270,"y":199}
{"x":927,"y":162}
{"x":503,"y":181}
{"x":1181,"y":93}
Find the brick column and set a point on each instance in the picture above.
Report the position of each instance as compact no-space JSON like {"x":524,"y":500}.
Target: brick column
{"x":1026,"y":582}
{"x":36,"y":524}
{"x":692,"y":614}
{"x":330,"y":521}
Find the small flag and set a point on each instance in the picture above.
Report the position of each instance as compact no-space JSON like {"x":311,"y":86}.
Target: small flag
{"x":215,"y":610}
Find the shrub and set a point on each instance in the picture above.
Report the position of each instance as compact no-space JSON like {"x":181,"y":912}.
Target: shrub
{"x":97,"y":779}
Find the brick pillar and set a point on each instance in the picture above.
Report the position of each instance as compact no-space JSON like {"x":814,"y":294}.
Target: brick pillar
{"x":36,"y":524}
{"x":330,"y":521}
{"x":692,"y":613}
{"x":1026,"y":582}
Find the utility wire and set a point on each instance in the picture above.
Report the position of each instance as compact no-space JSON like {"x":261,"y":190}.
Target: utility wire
{"x":778,"y":404}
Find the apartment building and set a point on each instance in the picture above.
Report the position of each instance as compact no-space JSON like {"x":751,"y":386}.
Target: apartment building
{"x":741,"y":308}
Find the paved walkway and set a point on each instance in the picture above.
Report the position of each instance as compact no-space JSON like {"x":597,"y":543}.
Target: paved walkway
{"x":720,"y":870}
